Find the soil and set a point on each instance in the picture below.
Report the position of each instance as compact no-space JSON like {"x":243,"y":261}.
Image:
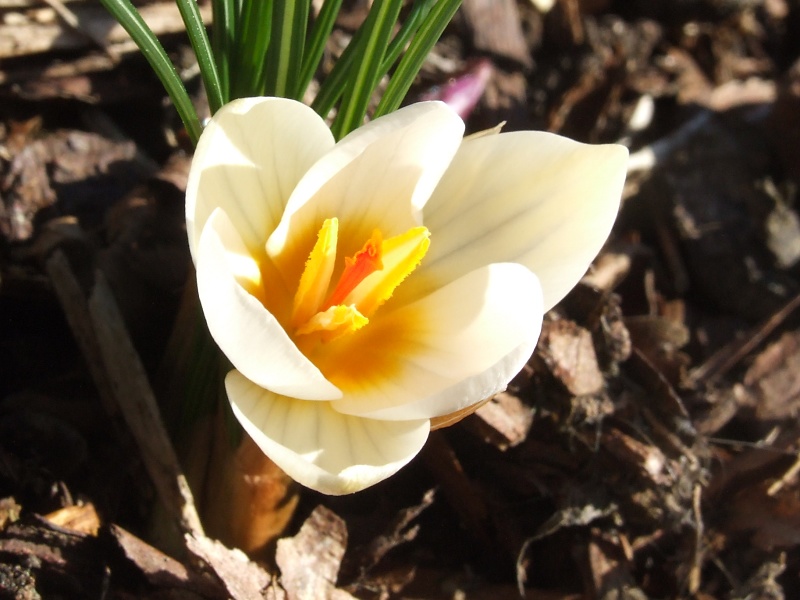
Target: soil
{"x":649,"y":449}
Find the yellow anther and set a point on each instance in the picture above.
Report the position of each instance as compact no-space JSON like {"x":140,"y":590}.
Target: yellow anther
{"x":316,"y":277}
{"x":401,"y":254}
{"x":334,"y":322}
{"x":368,"y":279}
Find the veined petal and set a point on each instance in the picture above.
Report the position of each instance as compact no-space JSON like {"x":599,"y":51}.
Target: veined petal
{"x":249,"y":335}
{"x":408,"y":121}
{"x":319,"y":447}
{"x":248,"y":161}
{"x":449,"y":350}
{"x":535,"y":198}
{"x":377,"y":177}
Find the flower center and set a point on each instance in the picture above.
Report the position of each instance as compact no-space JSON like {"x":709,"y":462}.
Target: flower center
{"x":367,"y":280}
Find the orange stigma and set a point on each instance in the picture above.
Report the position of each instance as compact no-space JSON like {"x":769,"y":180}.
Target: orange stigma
{"x":368,"y":279}
{"x":365,"y":262}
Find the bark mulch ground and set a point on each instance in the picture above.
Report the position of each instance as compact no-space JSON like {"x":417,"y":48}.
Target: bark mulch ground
{"x":651,"y":446}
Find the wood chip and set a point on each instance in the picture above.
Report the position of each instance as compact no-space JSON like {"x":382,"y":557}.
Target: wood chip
{"x":609,"y":569}
{"x":400,"y":531}
{"x":504,"y":421}
{"x":243,"y":579}
{"x":82,"y":518}
{"x":496,"y":29}
{"x":97,"y":25}
{"x":568,"y":352}
{"x":648,"y":460}
{"x":9,"y":512}
{"x":772,"y":522}
{"x":310,"y":561}
{"x":68,"y":561}
{"x":160,"y":570}
{"x":774,"y":379}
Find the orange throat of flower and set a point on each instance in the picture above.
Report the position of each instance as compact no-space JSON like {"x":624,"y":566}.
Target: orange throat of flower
{"x":368,"y":279}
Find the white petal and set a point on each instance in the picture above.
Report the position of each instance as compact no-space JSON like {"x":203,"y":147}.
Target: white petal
{"x":248,"y":161}
{"x":319,"y":447}
{"x":530,"y":197}
{"x":415,"y":126}
{"x":249,"y":335}
{"x":377,"y":177}
{"x":447,"y":351}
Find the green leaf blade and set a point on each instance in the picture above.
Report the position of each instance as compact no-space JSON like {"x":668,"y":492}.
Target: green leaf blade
{"x":196,"y":30}
{"x":130,"y":19}
{"x":285,"y":56}
{"x":254,"y":34}
{"x":316,"y":45}
{"x":419,"y":48}
{"x":379,"y":25}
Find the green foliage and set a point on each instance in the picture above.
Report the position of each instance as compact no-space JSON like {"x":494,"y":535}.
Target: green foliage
{"x":130,"y":19}
{"x":269,"y":47}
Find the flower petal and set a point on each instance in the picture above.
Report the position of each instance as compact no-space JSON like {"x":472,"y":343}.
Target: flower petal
{"x":249,"y":335}
{"x":447,"y":351}
{"x":248,"y":161}
{"x":535,"y":198}
{"x":319,"y":447}
{"x":379,"y":176}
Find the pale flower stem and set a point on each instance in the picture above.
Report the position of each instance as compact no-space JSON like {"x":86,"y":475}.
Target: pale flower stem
{"x":244,"y":499}
{"x":248,"y":499}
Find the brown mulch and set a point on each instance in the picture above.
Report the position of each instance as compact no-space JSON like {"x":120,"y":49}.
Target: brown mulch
{"x":651,"y":446}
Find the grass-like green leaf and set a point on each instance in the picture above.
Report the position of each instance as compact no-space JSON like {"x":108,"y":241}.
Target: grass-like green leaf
{"x":223,"y":32}
{"x":378,"y":29}
{"x":125,"y":13}
{"x":411,"y":63}
{"x":196,"y":30}
{"x":335,"y":83}
{"x":285,"y":55}
{"x":316,"y":44}
{"x":253,"y":35}
{"x":410,"y":26}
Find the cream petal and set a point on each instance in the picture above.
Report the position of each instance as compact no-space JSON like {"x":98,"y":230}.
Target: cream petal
{"x":449,"y":350}
{"x":248,"y":334}
{"x":248,"y":161}
{"x":535,"y":198}
{"x":377,"y":177}
{"x":319,"y":447}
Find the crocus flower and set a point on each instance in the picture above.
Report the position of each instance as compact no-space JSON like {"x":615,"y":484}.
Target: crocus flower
{"x":368,"y":289}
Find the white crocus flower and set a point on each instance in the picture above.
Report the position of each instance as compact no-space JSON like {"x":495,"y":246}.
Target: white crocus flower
{"x":366,"y":288}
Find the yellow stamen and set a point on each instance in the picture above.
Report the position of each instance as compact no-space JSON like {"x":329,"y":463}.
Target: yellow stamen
{"x":316,"y":276}
{"x":365,"y":262}
{"x":334,"y":322}
{"x":401,"y":254}
{"x":368,"y":279}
